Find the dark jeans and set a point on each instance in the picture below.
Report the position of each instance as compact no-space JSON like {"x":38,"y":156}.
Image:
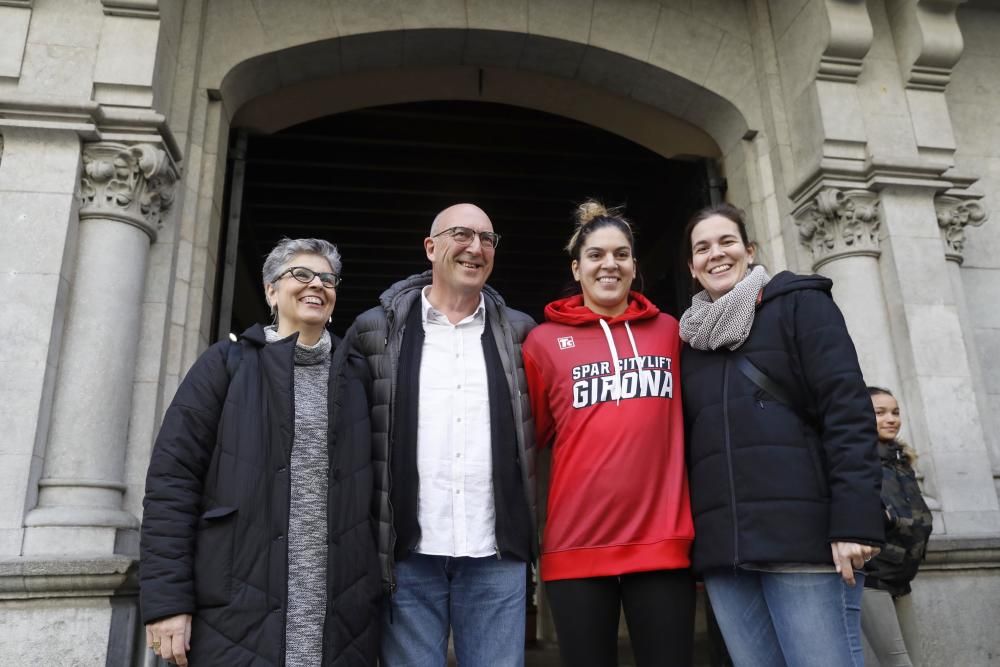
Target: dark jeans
{"x":480,"y":600}
{"x":659,"y":611}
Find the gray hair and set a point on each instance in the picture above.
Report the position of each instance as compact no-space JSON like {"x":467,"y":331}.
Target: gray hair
{"x":287,"y":248}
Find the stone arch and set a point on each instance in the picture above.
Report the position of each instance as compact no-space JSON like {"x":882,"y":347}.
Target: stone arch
{"x":602,"y":87}
{"x":679,"y":81}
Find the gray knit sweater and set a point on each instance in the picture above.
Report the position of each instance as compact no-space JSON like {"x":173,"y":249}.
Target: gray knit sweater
{"x":307,"y":522}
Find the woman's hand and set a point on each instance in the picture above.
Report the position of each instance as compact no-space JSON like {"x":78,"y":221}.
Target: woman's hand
{"x":851,"y":556}
{"x":170,"y":638}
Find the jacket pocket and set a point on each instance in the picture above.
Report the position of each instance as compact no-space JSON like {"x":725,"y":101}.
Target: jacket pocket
{"x":213,"y":557}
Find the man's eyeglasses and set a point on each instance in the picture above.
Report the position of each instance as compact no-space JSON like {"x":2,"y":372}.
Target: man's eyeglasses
{"x":464,"y":236}
{"x":305,"y":275}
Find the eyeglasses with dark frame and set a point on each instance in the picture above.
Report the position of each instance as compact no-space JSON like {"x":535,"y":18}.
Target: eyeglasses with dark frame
{"x":305,"y":275}
{"x":464,"y":236}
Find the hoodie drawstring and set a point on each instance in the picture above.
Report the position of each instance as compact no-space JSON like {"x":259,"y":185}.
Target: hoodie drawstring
{"x":616,"y":391}
{"x":635,"y":350}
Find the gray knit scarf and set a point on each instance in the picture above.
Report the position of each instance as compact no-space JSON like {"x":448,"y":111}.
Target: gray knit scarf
{"x":709,"y":325}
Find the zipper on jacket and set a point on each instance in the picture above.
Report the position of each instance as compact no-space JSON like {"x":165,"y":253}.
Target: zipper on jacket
{"x":496,"y":322}
{"x":729,"y":460}
{"x":390,"y":317}
{"x":288,"y":504}
{"x":521,"y":438}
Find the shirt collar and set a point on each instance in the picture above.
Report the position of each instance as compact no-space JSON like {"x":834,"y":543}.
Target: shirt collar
{"x":434,"y":316}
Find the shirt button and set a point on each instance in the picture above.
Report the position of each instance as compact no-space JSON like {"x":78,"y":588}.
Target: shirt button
{"x":458,"y":387}
{"x":458,"y":456}
{"x":458,"y":419}
{"x":458,"y":492}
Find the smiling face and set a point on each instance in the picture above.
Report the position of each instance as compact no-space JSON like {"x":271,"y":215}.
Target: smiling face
{"x":302,"y":306}
{"x":605,"y":270}
{"x":886,"y":416}
{"x":719,"y":257}
{"x":459,"y":270}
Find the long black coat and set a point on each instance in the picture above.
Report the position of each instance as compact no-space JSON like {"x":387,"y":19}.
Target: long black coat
{"x":217,"y":502}
{"x":769,"y":485}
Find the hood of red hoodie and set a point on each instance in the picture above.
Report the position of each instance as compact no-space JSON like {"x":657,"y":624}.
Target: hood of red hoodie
{"x":571,"y":311}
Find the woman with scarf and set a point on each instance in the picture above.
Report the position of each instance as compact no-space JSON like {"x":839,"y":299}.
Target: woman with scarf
{"x":257,"y":544}
{"x":887,"y":613}
{"x":602,"y":376}
{"x":781,"y":454}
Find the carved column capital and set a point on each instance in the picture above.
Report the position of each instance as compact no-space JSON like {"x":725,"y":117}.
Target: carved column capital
{"x":132,"y":184}
{"x":839,"y":223}
{"x":954,"y":214}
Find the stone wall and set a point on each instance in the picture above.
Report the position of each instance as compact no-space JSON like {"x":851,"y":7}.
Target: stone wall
{"x":956,"y":599}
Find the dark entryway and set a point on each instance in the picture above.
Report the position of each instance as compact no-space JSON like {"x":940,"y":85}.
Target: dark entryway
{"x":372,"y":180}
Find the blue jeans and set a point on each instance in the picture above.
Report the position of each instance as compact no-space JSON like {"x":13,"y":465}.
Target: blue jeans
{"x":772,"y":619}
{"x":481,"y":599}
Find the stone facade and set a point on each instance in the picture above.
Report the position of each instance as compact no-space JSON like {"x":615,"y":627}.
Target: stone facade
{"x":862,"y":137}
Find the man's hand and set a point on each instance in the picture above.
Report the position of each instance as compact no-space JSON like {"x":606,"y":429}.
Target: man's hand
{"x":851,"y":556}
{"x":170,"y":638}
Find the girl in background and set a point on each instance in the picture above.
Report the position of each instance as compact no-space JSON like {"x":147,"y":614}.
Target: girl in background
{"x":886,"y":609}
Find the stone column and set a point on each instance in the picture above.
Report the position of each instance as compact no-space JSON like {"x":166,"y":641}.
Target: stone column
{"x":841,"y":229}
{"x":934,"y":361}
{"x":124,"y":189}
{"x":39,"y":177}
{"x":954,"y":214}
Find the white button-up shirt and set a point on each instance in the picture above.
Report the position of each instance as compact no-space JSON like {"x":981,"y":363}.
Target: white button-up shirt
{"x":454,"y":453}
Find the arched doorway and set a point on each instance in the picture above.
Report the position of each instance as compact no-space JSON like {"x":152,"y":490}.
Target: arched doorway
{"x":371,"y":180}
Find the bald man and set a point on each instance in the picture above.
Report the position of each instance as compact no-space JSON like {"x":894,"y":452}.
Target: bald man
{"x":455,"y":453}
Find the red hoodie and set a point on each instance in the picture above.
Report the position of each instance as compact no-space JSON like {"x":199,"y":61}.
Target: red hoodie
{"x":618,"y":493}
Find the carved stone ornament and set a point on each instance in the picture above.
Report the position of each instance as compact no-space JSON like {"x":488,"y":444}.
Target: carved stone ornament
{"x":839,"y":223}
{"x":954,"y":215}
{"x":133,"y":184}
{"x":928,"y":41}
{"x":850,"y":37}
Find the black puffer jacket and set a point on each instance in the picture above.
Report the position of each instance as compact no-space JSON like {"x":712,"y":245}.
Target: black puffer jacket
{"x":908,"y":524}
{"x":769,"y":485}
{"x":217,"y":502}
{"x":378,"y":334}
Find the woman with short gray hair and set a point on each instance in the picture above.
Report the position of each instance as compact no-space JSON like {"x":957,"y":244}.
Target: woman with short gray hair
{"x":257,"y":542}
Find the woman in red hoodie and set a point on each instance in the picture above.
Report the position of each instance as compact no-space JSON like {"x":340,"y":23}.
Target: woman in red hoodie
{"x":602,"y":375}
